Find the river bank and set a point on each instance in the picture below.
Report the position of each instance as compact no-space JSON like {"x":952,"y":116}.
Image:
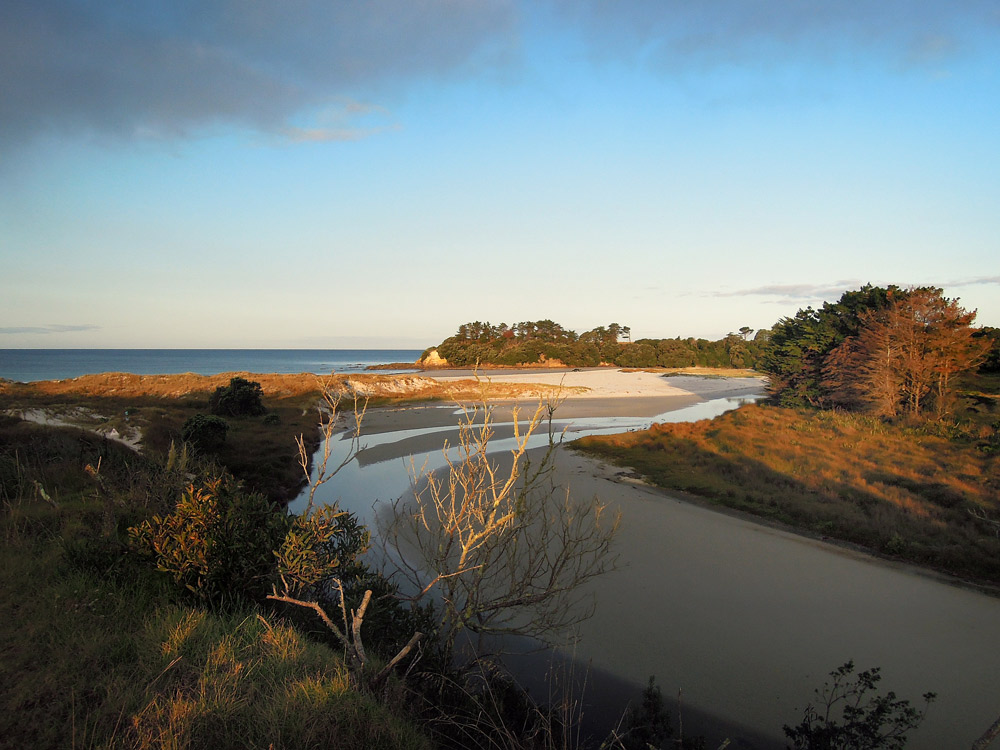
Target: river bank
{"x":746,"y":619}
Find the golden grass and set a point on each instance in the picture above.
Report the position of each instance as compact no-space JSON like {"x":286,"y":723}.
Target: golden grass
{"x":120,"y":385}
{"x":895,"y":489}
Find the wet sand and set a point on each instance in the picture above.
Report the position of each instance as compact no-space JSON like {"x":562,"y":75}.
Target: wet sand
{"x":748,"y":619}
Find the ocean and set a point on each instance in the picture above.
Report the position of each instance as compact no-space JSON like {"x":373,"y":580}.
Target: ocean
{"x":26,"y":365}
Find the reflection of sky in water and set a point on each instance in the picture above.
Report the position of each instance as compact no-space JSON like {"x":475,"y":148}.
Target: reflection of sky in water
{"x":358,"y":488}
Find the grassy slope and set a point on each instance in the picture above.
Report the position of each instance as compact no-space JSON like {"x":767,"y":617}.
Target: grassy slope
{"x":94,"y":651}
{"x":898,"y":490}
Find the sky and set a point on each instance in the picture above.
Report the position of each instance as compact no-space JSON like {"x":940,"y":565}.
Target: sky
{"x":316,"y":174}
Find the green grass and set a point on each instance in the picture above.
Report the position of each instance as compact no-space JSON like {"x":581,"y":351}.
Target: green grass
{"x":97,"y":651}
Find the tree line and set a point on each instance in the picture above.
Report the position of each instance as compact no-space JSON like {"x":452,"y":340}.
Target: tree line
{"x":534,"y":342}
{"x":882,"y":350}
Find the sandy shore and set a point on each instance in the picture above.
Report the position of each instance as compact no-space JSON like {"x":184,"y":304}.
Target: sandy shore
{"x":609,"y":393}
{"x":605,"y":382}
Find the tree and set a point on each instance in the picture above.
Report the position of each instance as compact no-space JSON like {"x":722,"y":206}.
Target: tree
{"x":217,"y":543}
{"x":497,"y":550}
{"x":795,"y":352}
{"x":317,"y":563}
{"x":866,"y":721}
{"x":909,"y":353}
{"x":887,"y":351}
{"x":241,"y":398}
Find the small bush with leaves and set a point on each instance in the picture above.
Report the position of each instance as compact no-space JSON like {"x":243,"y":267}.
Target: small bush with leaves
{"x":206,"y":433}
{"x":318,"y":546}
{"x":648,"y":724}
{"x":218,"y":543}
{"x":241,"y":398}
{"x":867,"y":721}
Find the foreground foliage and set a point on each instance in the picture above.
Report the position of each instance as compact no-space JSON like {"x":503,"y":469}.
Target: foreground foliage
{"x":99,"y":651}
{"x":496,"y":547}
{"x":849,"y":714}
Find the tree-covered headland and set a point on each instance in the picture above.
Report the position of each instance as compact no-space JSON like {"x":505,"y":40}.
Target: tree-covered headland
{"x":545,"y":341}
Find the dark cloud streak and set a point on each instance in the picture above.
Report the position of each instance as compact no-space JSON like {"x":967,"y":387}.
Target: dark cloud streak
{"x":161,"y":69}
{"x":169,"y":68}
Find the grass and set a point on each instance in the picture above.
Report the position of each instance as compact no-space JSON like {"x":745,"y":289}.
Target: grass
{"x":260,"y":451}
{"x":924,"y":494}
{"x":98,"y":653}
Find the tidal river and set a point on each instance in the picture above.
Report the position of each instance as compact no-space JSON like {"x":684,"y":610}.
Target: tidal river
{"x":744,"y":619}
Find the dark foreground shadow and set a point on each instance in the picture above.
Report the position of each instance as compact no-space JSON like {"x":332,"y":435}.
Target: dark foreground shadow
{"x":605,"y":697}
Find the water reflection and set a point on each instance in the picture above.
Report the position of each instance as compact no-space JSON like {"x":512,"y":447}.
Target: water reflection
{"x":379,"y":473}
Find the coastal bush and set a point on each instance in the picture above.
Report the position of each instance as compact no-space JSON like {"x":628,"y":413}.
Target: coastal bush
{"x":204,"y":432}
{"x":849,"y":714}
{"x":218,"y":543}
{"x":531,"y":342}
{"x":241,"y":398}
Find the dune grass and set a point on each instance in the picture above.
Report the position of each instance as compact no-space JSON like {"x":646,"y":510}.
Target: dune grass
{"x":919,"y":493}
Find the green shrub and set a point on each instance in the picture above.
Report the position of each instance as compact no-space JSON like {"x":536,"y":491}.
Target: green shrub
{"x":218,"y":543}
{"x":205,"y":432}
{"x":241,"y":398}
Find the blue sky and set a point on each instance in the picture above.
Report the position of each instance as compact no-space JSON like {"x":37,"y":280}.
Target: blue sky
{"x":316,"y":174}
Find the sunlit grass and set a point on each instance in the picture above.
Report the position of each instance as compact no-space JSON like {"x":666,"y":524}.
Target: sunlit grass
{"x":901,"y":490}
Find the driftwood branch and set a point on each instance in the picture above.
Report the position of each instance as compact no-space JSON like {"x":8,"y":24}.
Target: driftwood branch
{"x":317,"y":609}
{"x":357,"y":658}
{"x":378,"y":679}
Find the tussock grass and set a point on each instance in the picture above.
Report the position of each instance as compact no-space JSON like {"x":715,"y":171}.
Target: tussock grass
{"x":928,"y":498}
{"x":197,"y":388}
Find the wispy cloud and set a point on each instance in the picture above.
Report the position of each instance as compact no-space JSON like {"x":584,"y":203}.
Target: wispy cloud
{"x":347,"y":121}
{"x":833,"y":290}
{"x":795,"y":292}
{"x":975,"y":281}
{"x":10,"y":330}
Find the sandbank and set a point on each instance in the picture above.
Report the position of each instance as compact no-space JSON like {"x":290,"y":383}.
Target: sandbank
{"x":606,"y":382}
{"x":609,"y":393}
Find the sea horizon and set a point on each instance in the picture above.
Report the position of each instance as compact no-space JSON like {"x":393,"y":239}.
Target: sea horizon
{"x":30,"y":365}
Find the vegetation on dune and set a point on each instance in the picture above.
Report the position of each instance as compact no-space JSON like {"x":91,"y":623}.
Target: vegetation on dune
{"x":883,"y":436}
{"x":163,"y":597}
{"x":544,"y":341}
{"x":920,"y":493}
{"x":882,"y":351}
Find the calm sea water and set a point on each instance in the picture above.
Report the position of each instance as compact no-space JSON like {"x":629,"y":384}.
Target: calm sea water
{"x":26,"y":365}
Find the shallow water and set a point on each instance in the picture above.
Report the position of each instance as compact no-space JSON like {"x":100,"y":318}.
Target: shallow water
{"x":747,"y":620}
{"x":369,"y":478}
